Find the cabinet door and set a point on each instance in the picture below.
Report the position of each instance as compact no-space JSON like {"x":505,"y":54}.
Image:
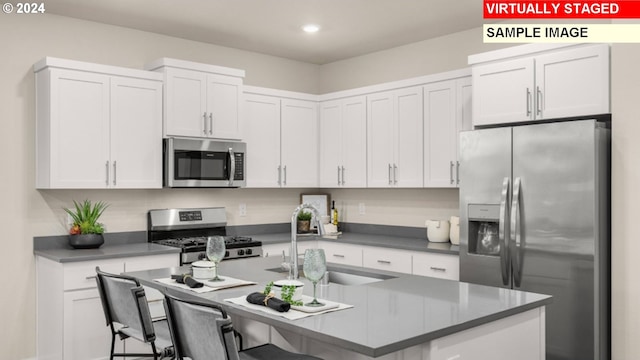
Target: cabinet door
{"x":86,"y":334}
{"x":223,"y":103}
{"x":408,"y":133}
{"x":380,"y":144}
{"x":136,"y":133}
{"x":342,"y":253}
{"x":354,"y":142}
{"x":261,"y":117}
{"x":386,"y":259}
{"x":464,"y":102}
{"x":503,"y":92}
{"x":185,"y":103}
{"x":299,"y":141}
{"x":330,"y":143}
{"x":573,"y":82}
{"x":79,"y":130}
{"x":440,"y":134}
{"x":441,"y":266}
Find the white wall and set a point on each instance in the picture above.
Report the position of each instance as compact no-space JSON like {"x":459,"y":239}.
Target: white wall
{"x":625,"y":239}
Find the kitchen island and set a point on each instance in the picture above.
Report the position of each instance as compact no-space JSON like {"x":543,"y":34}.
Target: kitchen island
{"x":403,"y":317}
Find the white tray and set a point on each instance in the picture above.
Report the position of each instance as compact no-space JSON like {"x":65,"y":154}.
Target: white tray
{"x":313,"y":309}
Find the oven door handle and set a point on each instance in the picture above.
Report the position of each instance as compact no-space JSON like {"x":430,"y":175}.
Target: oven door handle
{"x":232,"y":161}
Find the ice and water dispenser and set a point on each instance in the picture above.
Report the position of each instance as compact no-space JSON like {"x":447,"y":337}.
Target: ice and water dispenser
{"x":484,"y":220}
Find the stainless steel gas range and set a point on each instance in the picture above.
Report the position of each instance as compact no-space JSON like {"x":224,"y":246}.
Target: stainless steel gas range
{"x":188,"y":230}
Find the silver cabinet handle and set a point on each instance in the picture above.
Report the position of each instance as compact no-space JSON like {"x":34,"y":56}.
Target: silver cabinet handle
{"x":451,"y":172}
{"x":395,"y":174}
{"x":384,"y":262}
{"x":285,"y":176}
{"x":343,"y":175}
{"x":457,"y":172}
{"x":538,"y":101}
{"x":528,"y":103}
{"x":232,"y":161}
{"x":90,"y":277}
{"x":390,"y":181}
{"x":114,"y":173}
{"x":210,"y":123}
{"x":338,"y":175}
{"x":106,"y":165}
{"x":503,"y":228}
{"x":279,"y":175}
{"x":204,"y":123}
{"x":438,"y":269}
{"x":338,"y":255}
{"x":515,"y":231}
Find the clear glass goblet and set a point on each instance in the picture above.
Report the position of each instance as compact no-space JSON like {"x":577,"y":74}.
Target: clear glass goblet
{"x":215,"y":252}
{"x":314,"y":267}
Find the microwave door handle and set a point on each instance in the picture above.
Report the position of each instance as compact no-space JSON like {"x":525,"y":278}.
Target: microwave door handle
{"x":503,"y":230}
{"x":232,"y":161}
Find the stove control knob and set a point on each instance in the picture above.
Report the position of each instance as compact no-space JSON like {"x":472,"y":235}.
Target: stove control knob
{"x":248,"y":252}
{"x":240,"y":252}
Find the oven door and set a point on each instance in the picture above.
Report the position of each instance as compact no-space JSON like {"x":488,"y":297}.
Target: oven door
{"x":203,"y":163}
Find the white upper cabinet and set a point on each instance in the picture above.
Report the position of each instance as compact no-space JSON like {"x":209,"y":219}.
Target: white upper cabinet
{"x":262,"y":134}
{"x":395,"y":138}
{"x":343,"y":143}
{"x":282,"y":141}
{"x":97,"y":126}
{"x":201,"y":100}
{"x":447,"y":111}
{"x":555,"y":83}
{"x":299,"y":143}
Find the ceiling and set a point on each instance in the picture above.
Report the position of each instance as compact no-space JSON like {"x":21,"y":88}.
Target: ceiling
{"x":348,"y":27}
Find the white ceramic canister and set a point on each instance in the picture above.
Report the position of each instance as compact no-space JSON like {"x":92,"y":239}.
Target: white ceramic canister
{"x":203,"y":270}
{"x":454,"y":233}
{"x":437,"y":230}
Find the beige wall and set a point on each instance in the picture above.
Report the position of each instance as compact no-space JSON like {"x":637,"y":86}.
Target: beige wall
{"x":625,"y":239}
{"x":26,"y":212}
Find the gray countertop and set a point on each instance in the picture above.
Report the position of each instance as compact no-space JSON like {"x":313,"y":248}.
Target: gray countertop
{"x":134,"y":244}
{"x":387,"y":316}
{"x":66,"y":253}
{"x":388,"y":241}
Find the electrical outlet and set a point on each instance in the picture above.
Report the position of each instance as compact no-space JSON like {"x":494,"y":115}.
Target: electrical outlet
{"x":69,"y":221}
{"x":361,"y":209}
{"x":242,"y":209}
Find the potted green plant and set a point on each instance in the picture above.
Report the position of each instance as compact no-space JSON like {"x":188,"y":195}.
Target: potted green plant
{"x":304,"y":222}
{"x":86,"y":232}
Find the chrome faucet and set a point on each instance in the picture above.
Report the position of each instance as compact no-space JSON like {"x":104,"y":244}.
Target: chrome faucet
{"x":293,"y":255}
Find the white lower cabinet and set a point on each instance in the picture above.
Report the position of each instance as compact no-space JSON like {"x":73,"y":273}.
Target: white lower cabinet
{"x":70,"y":319}
{"x":345,"y":254}
{"x":387,"y":259}
{"x":442,"y":266}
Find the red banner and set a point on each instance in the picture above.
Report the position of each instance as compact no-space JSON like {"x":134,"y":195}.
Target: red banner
{"x":519,"y":9}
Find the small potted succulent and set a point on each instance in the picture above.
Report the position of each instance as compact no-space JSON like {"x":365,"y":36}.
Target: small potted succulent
{"x":304,"y":222}
{"x":86,"y":232}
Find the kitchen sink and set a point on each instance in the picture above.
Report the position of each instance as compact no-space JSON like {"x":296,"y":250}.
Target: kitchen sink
{"x":344,"y":276}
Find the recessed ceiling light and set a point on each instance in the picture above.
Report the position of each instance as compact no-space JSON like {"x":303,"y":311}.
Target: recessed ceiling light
{"x":311,"y":28}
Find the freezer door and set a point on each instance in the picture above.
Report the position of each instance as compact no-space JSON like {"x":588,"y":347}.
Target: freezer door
{"x":485,"y":182}
{"x":554,"y":229}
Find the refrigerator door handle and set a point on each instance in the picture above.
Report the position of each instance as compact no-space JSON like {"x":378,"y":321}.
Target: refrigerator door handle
{"x":503,"y":228}
{"x":515,"y":245}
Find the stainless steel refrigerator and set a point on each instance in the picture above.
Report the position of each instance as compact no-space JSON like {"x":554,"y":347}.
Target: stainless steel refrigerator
{"x":535,"y":216}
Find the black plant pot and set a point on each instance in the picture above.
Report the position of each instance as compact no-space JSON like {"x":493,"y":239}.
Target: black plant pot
{"x":86,"y":241}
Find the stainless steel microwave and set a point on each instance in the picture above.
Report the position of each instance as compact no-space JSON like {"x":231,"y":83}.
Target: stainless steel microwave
{"x":204,"y":163}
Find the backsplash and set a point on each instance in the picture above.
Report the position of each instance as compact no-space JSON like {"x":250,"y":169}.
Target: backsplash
{"x":128,"y":208}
